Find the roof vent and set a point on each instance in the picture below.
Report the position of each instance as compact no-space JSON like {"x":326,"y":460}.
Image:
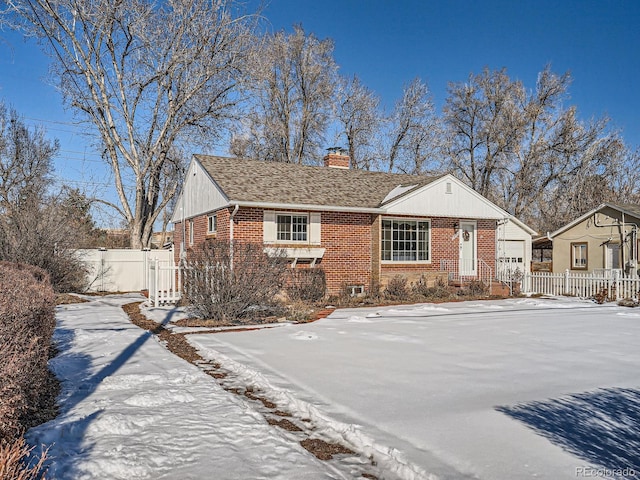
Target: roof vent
{"x":337,"y":157}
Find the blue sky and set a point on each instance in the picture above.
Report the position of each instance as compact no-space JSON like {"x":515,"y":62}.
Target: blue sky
{"x":388,"y":43}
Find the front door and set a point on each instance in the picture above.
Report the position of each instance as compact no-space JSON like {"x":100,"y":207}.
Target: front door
{"x":467,"y":246}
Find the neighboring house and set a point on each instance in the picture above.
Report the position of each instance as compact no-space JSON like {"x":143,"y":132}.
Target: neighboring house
{"x":359,"y":226}
{"x":605,"y":238}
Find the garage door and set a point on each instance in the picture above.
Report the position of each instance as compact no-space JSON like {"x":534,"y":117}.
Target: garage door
{"x":513,"y":254}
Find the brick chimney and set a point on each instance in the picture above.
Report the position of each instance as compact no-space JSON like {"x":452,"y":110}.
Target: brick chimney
{"x":337,"y":158}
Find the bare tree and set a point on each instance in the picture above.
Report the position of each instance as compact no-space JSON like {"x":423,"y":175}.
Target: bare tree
{"x":527,"y":151}
{"x":414,"y":132}
{"x":292,"y":87}
{"x":35,"y":226}
{"x":483,"y":126}
{"x":357,"y":111}
{"x":147,"y":77}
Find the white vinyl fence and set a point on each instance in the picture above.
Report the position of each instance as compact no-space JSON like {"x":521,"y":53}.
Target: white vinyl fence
{"x":611,"y":284}
{"x":121,"y":270}
{"x":165,"y":282}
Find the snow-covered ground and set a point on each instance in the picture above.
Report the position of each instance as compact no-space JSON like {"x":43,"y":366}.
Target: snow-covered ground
{"x":500,"y":390}
{"x":523,"y":388}
{"x":131,"y":409}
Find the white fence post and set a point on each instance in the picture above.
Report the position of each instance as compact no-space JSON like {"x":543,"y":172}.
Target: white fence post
{"x":566,"y":281}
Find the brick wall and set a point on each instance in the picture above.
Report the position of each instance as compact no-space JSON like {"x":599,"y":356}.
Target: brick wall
{"x":352,"y":244}
{"x":346,"y":238}
{"x":445,"y":247}
{"x":200,"y":226}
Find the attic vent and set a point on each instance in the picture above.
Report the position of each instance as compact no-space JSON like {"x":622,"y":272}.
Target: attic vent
{"x":448,"y":188}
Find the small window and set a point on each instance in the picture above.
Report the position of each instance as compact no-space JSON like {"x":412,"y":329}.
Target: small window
{"x":355,"y":290}
{"x":292,"y":228}
{"x":212,"y":223}
{"x":579,"y":256}
{"x":191,"y":236}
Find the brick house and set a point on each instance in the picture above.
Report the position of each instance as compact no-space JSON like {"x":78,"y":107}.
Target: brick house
{"x":359,"y":226}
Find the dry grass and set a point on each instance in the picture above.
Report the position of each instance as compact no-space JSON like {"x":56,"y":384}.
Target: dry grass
{"x":68,"y":299}
{"x":12,"y":462}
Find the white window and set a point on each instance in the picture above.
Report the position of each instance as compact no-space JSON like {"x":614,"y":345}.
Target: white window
{"x":191,"y":236}
{"x":579,"y":256}
{"x":212,"y":223}
{"x":405,"y":240}
{"x":291,"y":228}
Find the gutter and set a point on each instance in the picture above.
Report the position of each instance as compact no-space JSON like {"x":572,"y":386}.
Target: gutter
{"x":233,"y":214}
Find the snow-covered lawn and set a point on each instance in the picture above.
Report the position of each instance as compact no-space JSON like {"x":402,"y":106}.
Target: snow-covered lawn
{"x":523,"y":388}
{"x":496,"y":390}
{"x":131,"y":409}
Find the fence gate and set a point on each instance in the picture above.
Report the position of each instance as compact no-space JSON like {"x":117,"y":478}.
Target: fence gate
{"x":165,"y":282}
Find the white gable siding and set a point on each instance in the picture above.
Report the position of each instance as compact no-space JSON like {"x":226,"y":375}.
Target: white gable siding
{"x":433,"y":200}
{"x":199,"y":194}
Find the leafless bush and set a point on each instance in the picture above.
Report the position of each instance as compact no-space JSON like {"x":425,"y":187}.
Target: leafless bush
{"x":233,"y":281}
{"x":306,"y":284}
{"x":26,"y":327}
{"x":13,"y":456}
{"x":37,"y":227}
{"x":475,"y":288}
{"x":440,"y":290}
{"x":397,"y":288}
{"x":37,"y":236}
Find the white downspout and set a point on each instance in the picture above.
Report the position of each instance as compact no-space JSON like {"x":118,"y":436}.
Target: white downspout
{"x":231,"y":217}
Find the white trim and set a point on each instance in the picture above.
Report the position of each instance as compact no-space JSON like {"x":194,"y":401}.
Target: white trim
{"x":577,"y":220}
{"x":213,"y":216}
{"x":461,"y":266}
{"x":590,"y":213}
{"x":295,"y":254}
{"x":291,"y":232}
{"x":315,"y":228}
{"x":408,"y":262}
{"x":194,"y":166}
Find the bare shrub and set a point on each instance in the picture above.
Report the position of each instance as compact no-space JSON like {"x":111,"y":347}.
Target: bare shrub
{"x":233,"y":281}
{"x":374,"y":290}
{"x":13,"y":457}
{"x":306,"y":284}
{"x":475,"y":288}
{"x":440,"y":290}
{"x":37,"y":227}
{"x":26,"y":327}
{"x":397,"y":288}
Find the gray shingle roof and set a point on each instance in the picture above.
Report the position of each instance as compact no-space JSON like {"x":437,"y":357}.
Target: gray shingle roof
{"x":274,"y":182}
